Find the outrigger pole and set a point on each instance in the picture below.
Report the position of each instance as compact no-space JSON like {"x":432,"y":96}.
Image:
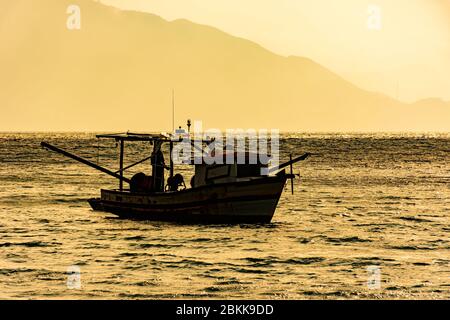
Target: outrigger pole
{"x":290,"y":162}
{"x":134,"y":164}
{"x":86,"y":162}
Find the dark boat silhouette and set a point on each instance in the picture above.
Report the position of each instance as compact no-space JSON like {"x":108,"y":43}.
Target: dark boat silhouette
{"x":219,"y":193}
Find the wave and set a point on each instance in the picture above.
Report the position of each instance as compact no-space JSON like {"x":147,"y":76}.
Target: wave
{"x":30,"y":244}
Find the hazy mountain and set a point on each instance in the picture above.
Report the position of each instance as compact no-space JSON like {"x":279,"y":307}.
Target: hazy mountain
{"x":117,"y":73}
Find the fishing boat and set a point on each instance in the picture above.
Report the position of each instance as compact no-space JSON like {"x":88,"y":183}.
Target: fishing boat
{"x":227,"y":192}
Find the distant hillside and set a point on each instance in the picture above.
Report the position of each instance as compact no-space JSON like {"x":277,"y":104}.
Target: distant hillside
{"x":117,"y":73}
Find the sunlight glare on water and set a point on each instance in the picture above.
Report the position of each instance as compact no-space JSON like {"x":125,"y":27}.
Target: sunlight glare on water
{"x":363,"y":201}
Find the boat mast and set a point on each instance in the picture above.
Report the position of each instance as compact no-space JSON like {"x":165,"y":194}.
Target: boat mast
{"x":122,"y":143}
{"x":173,"y":132}
{"x":170,"y":157}
{"x":173,"y":110}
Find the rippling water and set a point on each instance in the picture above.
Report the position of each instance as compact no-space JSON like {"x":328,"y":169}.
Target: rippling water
{"x":364,"y":201}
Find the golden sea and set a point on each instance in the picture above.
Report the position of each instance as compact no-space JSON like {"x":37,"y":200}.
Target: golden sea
{"x":370,"y":219}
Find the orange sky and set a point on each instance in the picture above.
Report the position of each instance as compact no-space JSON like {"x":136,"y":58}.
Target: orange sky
{"x":57,"y":79}
{"x":409,"y":58}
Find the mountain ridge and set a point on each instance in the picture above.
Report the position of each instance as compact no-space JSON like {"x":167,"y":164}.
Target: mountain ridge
{"x":118,"y":71}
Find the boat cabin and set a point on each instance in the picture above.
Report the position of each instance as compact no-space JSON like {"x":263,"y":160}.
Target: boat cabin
{"x":236,"y":171}
{"x":230,"y":171}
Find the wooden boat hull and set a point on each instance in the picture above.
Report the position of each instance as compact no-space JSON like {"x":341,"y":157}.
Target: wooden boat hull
{"x":253,"y":201}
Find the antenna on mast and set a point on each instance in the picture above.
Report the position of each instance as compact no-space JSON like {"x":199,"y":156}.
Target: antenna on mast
{"x":173,"y":110}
